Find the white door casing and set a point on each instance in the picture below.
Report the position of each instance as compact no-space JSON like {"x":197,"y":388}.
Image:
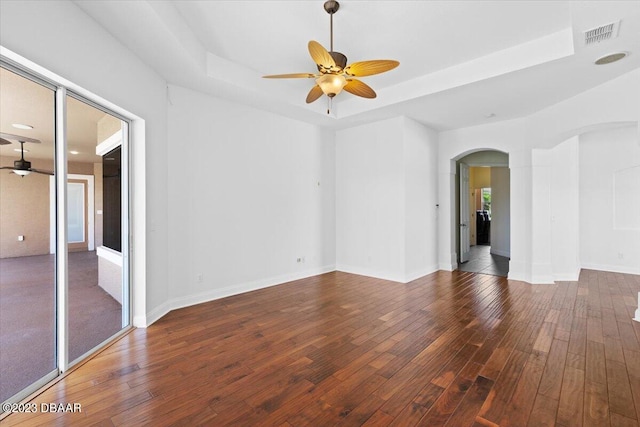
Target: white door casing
{"x":464,"y":213}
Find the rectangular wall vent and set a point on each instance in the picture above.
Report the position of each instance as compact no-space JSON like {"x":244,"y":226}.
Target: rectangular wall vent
{"x":602,"y":33}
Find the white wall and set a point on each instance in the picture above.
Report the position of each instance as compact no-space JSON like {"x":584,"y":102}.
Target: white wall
{"x":386,"y":196}
{"x":610,"y":200}
{"x":500,"y":213}
{"x":99,"y":67}
{"x":612,"y":104}
{"x":250,"y":193}
{"x":370,"y":200}
{"x":564,"y":198}
{"x":421,"y":198}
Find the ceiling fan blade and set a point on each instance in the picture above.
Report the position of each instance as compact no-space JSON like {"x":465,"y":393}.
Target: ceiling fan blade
{"x":18,"y":138}
{"x":314,"y":94}
{"x":359,"y":88}
{"x":30,"y":170}
{"x":369,"y":68}
{"x":290,"y":76}
{"x":41,"y":172}
{"x":320,"y":55}
{"x":4,"y":141}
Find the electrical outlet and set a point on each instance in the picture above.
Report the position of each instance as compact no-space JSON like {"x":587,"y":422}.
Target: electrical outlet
{"x":298,"y":260}
{"x":20,"y":238}
{"x":199,"y":278}
{"x":620,"y":255}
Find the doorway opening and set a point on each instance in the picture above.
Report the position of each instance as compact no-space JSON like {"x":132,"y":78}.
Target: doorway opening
{"x":483,"y":212}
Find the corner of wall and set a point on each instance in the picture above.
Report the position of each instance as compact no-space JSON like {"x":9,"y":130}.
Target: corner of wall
{"x":410,"y":277}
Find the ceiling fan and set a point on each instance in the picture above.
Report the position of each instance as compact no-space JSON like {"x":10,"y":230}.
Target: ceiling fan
{"x":334,"y":74}
{"x":21,"y":167}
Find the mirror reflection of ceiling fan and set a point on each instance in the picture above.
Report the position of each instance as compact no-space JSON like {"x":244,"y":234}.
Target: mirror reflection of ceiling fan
{"x":334,"y":74}
{"x":21,"y":167}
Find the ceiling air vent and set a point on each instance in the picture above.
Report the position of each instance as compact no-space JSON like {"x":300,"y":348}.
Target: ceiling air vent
{"x":602,"y":33}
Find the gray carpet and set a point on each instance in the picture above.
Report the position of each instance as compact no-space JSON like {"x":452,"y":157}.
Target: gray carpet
{"x":27,"y":322}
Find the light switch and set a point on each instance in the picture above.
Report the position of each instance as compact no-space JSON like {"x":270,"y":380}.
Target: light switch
{"x":20,"y":238}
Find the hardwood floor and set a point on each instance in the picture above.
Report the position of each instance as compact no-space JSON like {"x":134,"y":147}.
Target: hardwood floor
{"x":455,"y":349}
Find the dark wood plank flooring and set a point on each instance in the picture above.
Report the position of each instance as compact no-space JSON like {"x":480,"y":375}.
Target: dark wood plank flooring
{"x":449,"y":349}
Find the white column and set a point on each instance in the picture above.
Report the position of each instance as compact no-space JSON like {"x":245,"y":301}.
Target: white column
{"x":541,"y":269}
{"x":521,"y":211}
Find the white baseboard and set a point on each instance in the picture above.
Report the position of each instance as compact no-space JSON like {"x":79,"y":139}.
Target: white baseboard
{"x":567,"y":276}
{"x":214,"y":294}
{"x":445,"y":266}
{"x":420,"y":273}
{"x":500,"y":253}
{"x":612,"y":268}
{"x":370,"y":273}
{"x":542,"y":279}
{"x":140,"y":321}
{"x":153,"y":315}
{"x":387,"y":276}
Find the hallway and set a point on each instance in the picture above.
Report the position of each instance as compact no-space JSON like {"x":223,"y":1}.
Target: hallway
{"x":482,"y":261}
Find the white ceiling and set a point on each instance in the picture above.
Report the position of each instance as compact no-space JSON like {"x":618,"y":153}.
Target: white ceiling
{"x":459,"y":60}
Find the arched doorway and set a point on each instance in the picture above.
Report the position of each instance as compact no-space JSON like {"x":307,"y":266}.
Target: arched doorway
{"x":482,"y":211}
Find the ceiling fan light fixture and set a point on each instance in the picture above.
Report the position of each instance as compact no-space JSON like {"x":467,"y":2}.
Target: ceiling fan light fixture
{"x":331,"y":84}
{"x":21,"y":172}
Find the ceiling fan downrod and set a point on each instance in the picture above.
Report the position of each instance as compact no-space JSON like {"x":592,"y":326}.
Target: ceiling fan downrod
{"x":22,"y":164}
{"x":331,"y":7}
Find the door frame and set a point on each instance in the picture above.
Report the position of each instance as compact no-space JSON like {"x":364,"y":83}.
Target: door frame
{"x":91,"y":232}
{"x":465,"y":230}
{"x":453,"y":191}
{"x":134,"y":209}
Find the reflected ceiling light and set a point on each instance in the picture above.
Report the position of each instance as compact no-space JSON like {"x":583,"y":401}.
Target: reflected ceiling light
{"x":333,"y":72}
{"x":74,"y":152}
{"x":21,"y":126}
{"x":19,"y":150}
{"x":613,"y":57}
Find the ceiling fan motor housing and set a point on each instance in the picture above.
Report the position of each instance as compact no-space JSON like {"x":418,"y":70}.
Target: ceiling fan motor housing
{"x":340,"y":59}
{"x":22,"y":165}
{"x":331,"y":6}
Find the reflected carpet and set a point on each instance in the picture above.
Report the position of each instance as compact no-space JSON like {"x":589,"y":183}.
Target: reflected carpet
{"x":27,"y":318}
